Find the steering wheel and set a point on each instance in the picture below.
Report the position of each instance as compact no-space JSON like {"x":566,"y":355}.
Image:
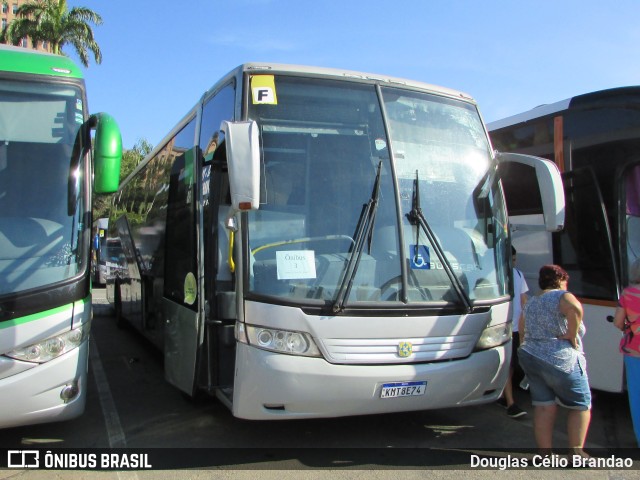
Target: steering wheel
{"x":397,"y":282}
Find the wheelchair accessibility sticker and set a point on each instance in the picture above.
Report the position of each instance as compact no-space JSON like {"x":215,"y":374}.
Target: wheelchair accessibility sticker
{"x":420,"y":257}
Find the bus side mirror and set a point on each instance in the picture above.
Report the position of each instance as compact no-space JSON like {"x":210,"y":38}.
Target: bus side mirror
{"x":243,"y":163}
{"x":107,"y":153}
{"x":550,"y":185}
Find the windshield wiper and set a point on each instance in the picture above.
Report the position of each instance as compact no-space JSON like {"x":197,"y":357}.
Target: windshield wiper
{"x":417,"y":218}
{"x":364,"y":231}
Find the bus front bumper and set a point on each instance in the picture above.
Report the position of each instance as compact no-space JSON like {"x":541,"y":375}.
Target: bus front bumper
{"x":271,"y":386}
{"x":48,"y":392}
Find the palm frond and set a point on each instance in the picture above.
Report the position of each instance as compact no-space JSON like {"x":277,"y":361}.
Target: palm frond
{"x":51,"y":21}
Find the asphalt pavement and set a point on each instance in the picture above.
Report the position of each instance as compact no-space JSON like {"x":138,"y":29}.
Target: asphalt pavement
{"x":153,"y":416}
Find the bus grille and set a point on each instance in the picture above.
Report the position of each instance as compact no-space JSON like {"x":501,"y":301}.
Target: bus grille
{"x":387,"y":351}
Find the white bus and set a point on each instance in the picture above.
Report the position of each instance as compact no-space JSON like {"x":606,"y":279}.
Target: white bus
{"x":46,"y":174}
{"x":595,"y":141}
{"x":99,"y":251}
{"x":310,"y":242}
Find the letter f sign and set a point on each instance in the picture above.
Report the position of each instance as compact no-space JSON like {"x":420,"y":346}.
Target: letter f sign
{"x":263,"y":95}
{"x":263,"y":90}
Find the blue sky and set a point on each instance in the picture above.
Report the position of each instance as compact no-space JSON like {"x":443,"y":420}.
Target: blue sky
{"x":511,"y":55}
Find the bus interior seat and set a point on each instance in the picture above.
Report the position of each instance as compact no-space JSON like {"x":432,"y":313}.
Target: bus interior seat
{"x":279,"y":184}
{"x":24,"y":162}
{"x":25,"y":245}
{"x":333,"y":161}
{"x":20,"y":237}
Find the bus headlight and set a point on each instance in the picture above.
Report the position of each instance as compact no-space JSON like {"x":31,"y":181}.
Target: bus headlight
{"x":281,"y":341}
{"x":52,"y":347}
{"x":494,"y":336}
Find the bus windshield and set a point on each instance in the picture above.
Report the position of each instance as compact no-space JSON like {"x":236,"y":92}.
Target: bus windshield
{"x":330,"y":148}
{"x":40,"y":223}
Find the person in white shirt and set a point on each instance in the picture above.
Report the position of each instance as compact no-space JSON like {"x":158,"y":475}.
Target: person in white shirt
{"x":520,"y":289}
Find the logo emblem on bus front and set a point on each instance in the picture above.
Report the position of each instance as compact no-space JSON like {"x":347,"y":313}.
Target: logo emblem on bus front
{"x":405,"y":349}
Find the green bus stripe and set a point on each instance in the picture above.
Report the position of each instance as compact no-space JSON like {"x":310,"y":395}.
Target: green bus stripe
{"x":40,"y":315}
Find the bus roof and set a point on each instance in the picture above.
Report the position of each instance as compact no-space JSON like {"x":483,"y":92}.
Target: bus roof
{"x":24,"y":60}
{"x":254,"y":67}
{"x":536,"y":112}
{"x":304,"y":70}
{"x":610,"y":97}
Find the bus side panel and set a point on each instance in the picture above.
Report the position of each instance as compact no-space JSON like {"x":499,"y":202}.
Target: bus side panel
{"x":156,"y":229}
{"x":181,"y":295}
{"x":140,"y":214}
{"x":180,"y":345}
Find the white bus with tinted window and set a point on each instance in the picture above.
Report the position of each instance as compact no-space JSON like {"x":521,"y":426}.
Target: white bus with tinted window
{"x":595,"y":141}
{"x":310,"y":242}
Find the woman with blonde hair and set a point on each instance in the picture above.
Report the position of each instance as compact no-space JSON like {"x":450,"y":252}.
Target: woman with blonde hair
{"x":627,"y":319}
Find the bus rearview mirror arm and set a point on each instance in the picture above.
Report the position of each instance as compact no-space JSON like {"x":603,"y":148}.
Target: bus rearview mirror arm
{"x":80,"y":145}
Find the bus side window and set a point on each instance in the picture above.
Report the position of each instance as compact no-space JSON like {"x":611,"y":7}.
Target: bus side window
{"x":217,"y":109}
{"x":180,"y":237}
{"x":216,"y":195}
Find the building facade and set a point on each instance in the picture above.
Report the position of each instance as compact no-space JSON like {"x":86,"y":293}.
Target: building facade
{"x":8,"y":9}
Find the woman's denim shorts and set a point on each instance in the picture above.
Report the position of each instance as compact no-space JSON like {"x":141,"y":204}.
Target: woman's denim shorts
{"x":549,"y":385}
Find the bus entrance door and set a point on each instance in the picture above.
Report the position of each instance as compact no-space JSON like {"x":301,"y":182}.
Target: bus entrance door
{"x":585,"y":250}
{"x":181,"y":297}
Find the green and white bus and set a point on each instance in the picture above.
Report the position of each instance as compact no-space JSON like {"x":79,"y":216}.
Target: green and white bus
{"x":47,"y":176}
{"x":595,"y":141}
{"x":312,"y":242}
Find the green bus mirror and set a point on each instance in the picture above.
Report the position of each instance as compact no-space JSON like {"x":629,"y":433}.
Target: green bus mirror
{"x":107,"y":153}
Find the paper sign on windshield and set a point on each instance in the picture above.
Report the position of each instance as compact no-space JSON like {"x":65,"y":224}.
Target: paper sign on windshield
{"x":296,"y":264}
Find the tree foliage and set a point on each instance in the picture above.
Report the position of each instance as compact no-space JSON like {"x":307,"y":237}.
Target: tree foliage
{"x":130,"y":160}
{"x":51,"y":21}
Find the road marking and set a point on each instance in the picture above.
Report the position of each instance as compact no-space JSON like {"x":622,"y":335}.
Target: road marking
{"x":115,"y":433}
{"x":111,"y":418}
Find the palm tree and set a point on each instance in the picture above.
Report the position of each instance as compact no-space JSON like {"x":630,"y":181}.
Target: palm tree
{"x":4,"y":37}
{"x":51,"y":21}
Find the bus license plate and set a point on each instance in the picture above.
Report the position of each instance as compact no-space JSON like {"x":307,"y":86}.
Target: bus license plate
{"x":403,"y":389}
